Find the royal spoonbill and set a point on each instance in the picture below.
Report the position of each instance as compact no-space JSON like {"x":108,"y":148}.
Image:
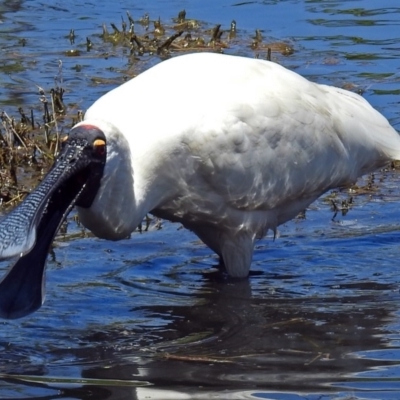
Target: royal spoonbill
{"x":230,"y":147}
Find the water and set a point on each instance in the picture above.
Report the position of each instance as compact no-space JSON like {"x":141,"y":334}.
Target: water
{"x":149,"y":317}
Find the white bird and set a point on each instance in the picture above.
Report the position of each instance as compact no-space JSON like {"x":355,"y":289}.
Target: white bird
{"x":228,"y":146}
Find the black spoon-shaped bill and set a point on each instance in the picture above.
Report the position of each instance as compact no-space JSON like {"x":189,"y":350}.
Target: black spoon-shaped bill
{"x":28,"y":231}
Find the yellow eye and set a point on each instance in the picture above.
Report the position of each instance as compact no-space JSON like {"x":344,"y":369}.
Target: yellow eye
{"x":99,"y":146}
{"x":99,"y":142}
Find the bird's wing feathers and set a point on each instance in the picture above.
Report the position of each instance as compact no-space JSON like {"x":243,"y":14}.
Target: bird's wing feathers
{"x":256,"y":162}
{"x":256,"y":133}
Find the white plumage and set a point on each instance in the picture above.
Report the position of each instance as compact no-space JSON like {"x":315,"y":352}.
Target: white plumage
{"x":230,"y":147}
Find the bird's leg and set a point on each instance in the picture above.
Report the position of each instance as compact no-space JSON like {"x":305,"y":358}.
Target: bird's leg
{"x":237,"y":253}
{"x":234,"y":248}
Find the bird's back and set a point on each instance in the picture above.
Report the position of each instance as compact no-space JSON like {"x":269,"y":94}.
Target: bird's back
{"x":243,"y":134}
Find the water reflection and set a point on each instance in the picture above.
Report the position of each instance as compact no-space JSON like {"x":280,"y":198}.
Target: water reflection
{"x":229,"y":339}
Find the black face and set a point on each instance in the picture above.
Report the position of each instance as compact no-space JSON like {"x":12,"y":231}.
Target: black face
{"x":27,"y":231}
